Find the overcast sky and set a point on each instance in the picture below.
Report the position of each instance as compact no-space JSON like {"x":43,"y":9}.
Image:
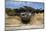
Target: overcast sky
{"x":14,"y":4}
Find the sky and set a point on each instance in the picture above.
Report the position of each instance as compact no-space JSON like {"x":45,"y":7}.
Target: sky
{"x":15,"y":4}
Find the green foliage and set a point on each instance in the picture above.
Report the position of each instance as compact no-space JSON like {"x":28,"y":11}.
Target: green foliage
{"x":10,"y":11}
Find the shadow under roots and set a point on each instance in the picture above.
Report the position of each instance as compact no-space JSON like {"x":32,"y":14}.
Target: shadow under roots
{"x":25,"y":21}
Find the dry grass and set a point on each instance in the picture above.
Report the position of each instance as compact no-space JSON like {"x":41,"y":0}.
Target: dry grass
{"x":37,"y":19}
{"x":13,"y":20}
{"x":35,"y":22}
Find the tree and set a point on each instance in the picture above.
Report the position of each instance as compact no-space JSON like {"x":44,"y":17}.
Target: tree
{"x":8,"y":10}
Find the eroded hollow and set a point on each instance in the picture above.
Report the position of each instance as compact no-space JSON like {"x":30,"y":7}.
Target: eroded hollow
{"x":25,"y":17}
{"x":25,"y":21}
